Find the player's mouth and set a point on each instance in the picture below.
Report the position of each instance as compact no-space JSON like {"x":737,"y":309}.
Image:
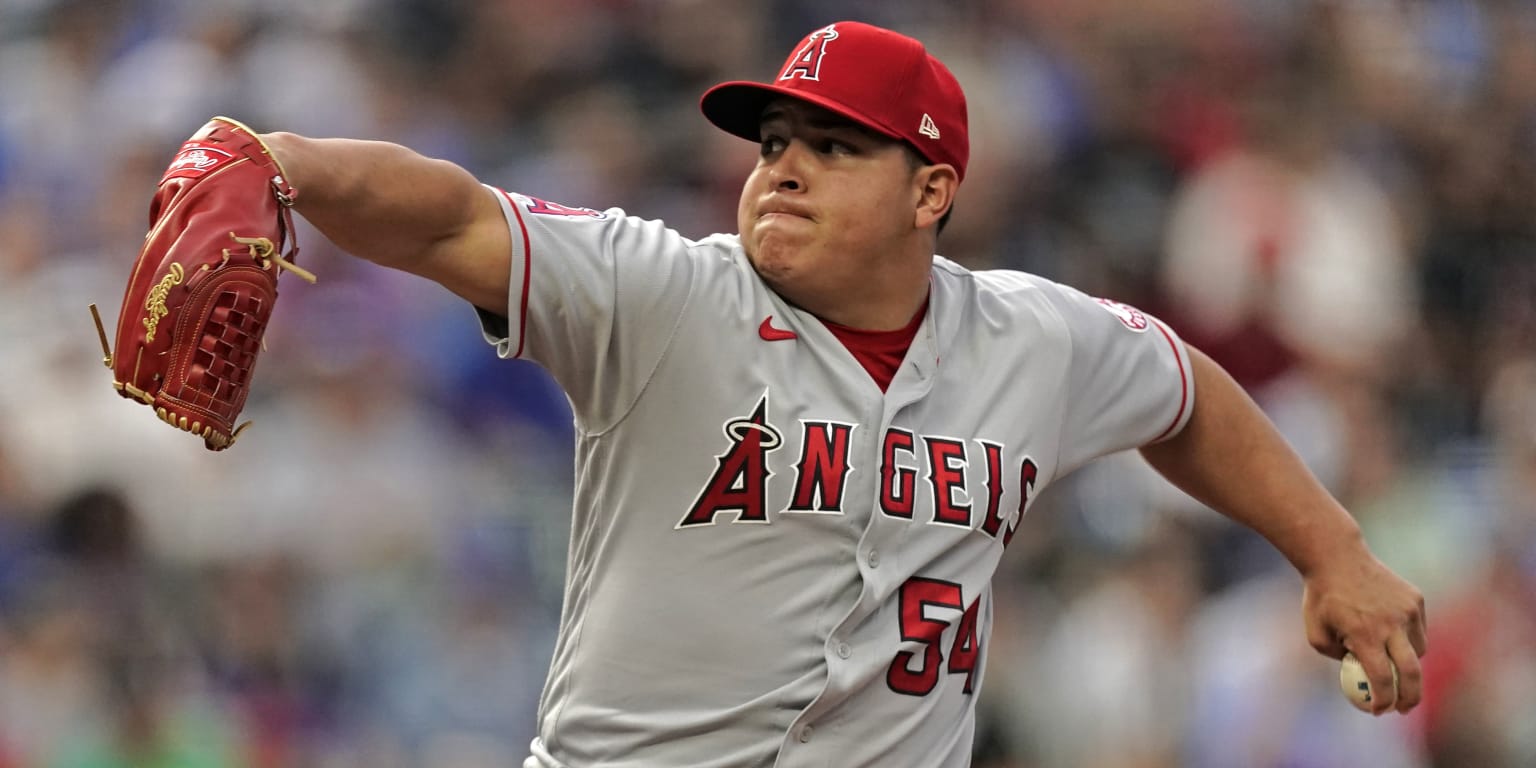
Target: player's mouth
{"x":777,"y":208}
{"x":771,"y":218}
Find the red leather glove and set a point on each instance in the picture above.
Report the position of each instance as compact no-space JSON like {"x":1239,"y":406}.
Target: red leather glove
{"x":204,"y":285}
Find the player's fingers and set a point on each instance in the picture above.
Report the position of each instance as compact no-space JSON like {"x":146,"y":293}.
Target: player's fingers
{"x":1379,"y":671}
{"x":1410,"y":674}
{"x":1327,"y":644}
{"x":1324,"y":640}
{"x":1320,"y":633}
{"x":1418,"y":630}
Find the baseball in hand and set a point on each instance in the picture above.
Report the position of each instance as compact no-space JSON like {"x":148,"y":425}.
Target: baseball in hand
{"x":1356,"y":687}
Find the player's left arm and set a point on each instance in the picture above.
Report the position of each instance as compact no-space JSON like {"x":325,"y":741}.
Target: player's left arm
{"x":1230,"y":457}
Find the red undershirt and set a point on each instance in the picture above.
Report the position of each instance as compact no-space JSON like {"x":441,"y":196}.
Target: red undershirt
{"x":880,"y":352}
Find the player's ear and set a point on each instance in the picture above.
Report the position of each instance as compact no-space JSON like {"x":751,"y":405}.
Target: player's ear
{"x":935,"y":187}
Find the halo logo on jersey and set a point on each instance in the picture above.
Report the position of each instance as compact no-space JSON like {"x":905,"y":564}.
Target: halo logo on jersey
{"x":806,"y":63}
{"x":1130,"y":316}
{"x":740,"y":482}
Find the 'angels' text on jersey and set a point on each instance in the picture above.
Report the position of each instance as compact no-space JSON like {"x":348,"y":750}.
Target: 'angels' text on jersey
{"x":942,"y":465}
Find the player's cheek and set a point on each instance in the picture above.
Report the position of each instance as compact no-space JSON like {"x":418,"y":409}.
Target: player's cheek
{"x":744,"y":227}
{"x":744,"y":217}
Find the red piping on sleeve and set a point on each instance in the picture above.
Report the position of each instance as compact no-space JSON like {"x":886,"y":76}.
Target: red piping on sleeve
{"x":1183,"y":382}
{"x":522,"y":307}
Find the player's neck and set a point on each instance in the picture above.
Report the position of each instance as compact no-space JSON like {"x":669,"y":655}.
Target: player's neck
{"x":887,"y":311}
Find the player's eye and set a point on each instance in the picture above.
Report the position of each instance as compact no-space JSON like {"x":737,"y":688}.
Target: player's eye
{"x":835,"y":147}
{"x":771,"y":145}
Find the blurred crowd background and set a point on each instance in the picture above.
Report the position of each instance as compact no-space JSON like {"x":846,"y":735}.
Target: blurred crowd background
{"x":1335,"y":199}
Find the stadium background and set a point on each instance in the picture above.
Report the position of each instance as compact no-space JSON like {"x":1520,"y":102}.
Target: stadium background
{"x":1334,"y":198}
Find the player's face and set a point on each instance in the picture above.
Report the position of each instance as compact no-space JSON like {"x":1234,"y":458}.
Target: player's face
{"x":828,"y":203}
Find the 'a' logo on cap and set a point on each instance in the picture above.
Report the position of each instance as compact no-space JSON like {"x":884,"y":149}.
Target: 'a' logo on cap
{"x":806,"y":62}
{"x":928,"y":128}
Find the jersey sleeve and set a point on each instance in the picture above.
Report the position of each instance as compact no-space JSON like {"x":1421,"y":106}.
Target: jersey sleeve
{"x":595,"y":299}
{"x":1129,"y":380}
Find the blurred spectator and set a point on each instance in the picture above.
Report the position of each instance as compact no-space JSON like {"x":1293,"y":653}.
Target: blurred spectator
{"x":103,"y":673}
{"x":1261,"y":697}
{"x":1483,"y":684}
{"x":1120,"y":647}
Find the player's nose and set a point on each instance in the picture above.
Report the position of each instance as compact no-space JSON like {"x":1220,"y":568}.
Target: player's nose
{"x":787,"y":171}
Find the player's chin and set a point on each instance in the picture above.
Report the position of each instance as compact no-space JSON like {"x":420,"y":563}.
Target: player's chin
{"x":777,"y":258}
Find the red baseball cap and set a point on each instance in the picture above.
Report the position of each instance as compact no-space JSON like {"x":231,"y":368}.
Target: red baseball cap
{"x":883,"y":80}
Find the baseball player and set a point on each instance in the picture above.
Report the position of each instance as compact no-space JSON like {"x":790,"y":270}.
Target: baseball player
{"x":802,"y":449}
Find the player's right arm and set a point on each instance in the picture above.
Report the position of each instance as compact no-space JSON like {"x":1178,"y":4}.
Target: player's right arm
{"x":389,"y":205}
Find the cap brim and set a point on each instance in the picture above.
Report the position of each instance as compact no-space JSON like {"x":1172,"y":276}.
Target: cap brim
{"x":737,"y":108}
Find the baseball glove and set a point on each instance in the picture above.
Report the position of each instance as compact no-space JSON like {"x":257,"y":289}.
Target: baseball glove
{"x":203,"y":286}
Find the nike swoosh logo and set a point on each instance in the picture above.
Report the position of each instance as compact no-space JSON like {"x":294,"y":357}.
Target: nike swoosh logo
{"x":770,"y":333}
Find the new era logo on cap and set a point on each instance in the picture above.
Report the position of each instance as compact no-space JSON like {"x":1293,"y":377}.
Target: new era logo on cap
{"x":883,"y":80}
{"x":927,"y":128}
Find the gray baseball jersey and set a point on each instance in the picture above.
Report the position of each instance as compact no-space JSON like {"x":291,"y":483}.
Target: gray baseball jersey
{"x":773,"y":562}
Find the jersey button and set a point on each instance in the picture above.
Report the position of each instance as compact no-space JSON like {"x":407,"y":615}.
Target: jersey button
{"x":805,"y":734}
{"x":844,"y":650}
{"x":873,"y":558}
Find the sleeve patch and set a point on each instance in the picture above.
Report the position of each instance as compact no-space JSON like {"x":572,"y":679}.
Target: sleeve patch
{"x":546,"y":208}
{"x":1128,"y":315}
